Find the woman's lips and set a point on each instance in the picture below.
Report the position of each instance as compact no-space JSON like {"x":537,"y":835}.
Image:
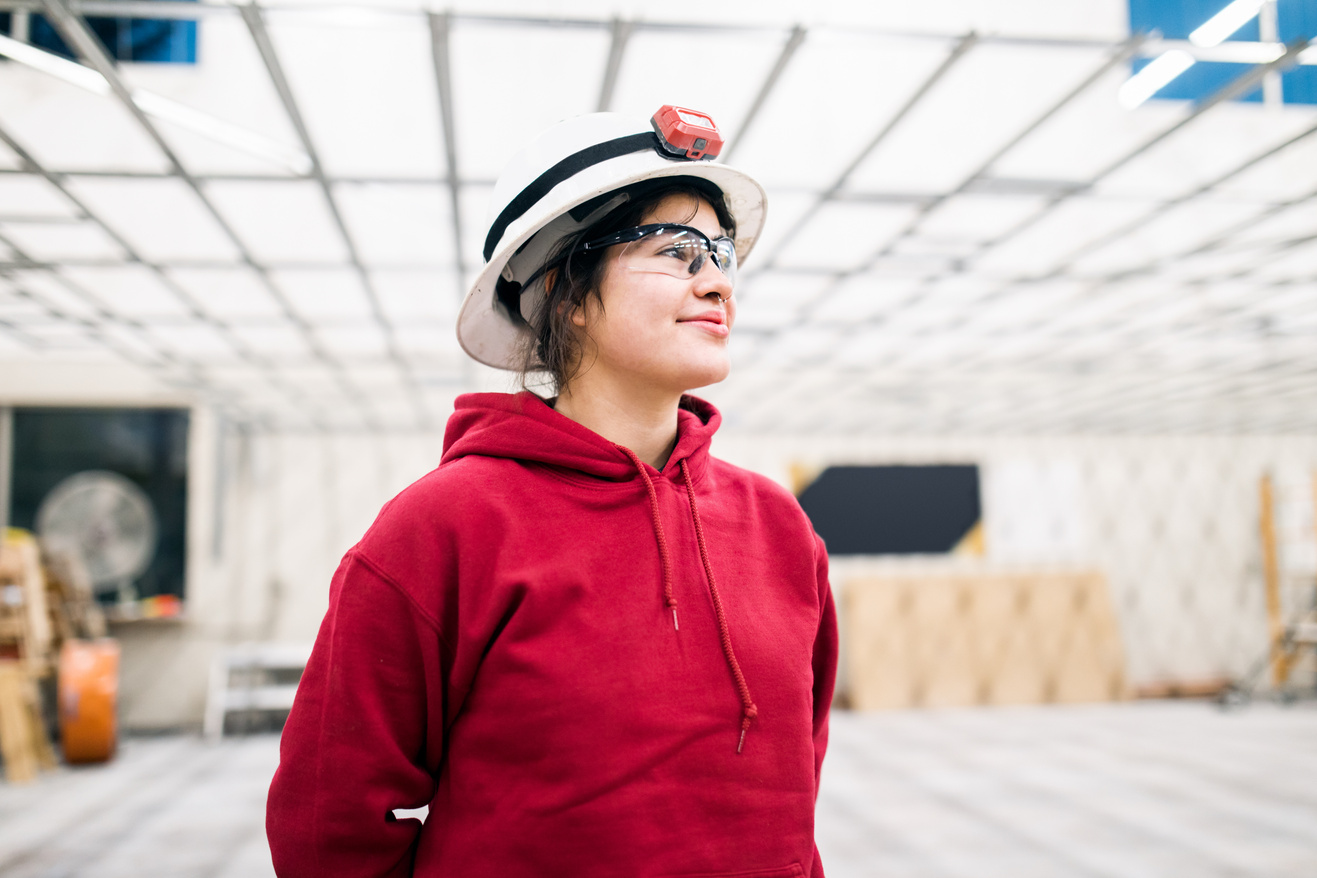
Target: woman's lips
{"x":714,"y":324}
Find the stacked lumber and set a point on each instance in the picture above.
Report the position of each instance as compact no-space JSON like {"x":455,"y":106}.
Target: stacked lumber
{"x":958,"y":639}
{"x":49,"y":620}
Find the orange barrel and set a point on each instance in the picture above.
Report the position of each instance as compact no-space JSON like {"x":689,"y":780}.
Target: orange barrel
{"x":88,"y":692}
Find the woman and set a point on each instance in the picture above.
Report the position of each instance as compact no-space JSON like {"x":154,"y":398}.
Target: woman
{"x":586,"y":645}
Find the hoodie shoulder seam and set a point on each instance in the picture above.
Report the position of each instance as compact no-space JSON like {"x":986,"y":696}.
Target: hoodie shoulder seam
{"x":397,"y":586}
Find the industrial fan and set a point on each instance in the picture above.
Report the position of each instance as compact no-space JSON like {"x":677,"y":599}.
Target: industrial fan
{"x":107,"y":521}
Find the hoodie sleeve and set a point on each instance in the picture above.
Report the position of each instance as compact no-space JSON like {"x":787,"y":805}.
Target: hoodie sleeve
{"x":364,"y":735}
{"x":825,"y":658}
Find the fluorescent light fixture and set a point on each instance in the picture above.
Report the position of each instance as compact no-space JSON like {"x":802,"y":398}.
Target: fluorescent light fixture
{"x":220,"y":131}
{"x":1225,"y":22}
{"x":48,"y":62}
{"x":159,"y":107}
{"x":1158,"y":73}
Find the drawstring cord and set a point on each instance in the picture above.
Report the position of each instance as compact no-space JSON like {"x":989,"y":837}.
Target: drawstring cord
{"x":668,"y":599}
{"x":748,"y":709}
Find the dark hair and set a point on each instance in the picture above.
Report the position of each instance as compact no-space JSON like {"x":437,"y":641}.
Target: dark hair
{"x":572,"y":276}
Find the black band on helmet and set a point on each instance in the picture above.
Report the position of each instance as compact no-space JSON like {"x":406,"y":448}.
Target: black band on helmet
{"x":568,"y":167}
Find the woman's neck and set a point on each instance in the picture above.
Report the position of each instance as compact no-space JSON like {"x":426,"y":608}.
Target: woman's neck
{"x":645,"y":423}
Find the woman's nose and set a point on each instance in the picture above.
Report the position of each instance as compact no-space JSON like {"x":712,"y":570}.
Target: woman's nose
{"x":711,"y":281}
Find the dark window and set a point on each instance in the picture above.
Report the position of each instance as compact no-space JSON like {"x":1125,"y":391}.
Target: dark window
{"x":146,"y":446}
{"x":163,"y":41}
{"x":1176,"y":19}
{"x":893,"y":510}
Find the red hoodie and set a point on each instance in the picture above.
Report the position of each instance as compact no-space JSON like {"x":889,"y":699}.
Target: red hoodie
{"x":559,"y":650}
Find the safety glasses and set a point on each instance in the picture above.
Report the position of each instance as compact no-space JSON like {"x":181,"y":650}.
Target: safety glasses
{"x":675,"y":250}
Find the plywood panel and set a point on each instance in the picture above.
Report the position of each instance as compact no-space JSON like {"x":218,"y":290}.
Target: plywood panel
{"x":946,"y":640}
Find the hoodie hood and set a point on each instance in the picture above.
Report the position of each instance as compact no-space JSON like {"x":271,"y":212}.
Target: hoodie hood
{"x":522,"y":426}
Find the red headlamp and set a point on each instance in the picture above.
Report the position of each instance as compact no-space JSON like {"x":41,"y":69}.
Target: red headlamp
{"x":687,"y":133}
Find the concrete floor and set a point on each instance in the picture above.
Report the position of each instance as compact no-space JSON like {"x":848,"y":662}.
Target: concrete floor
{"x":1180,"y":790}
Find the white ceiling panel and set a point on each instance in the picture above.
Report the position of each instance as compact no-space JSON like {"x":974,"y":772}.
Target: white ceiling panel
{"x":1215,"y":262}
{"x":196,"y":341}
{"x":133,"y":292}
{"x":1211,"y":146}
{"x":163,"y":220}
{"x":765,"y":318}
{"x":55,"y":294}
{"x":132,"y":341}
{"x":977,"y":217}
{"x":429,"y":341}
{"x":842,"y":235}
{"x":736,"y":61}
{"x":9,"y":159}
{"x":16,"y":349}
{"x":281,"y":341}
{"x":1172,"y":233}
{"x":1066,"y":228}
{"x":850,"y":87}
{"x":1088,"y":134}
{"x":228,"y":82}
{"x":569,"y":69}
{"x":315,"y":379}
{"x":280,"y":221}
{"x":325,"y":295}
{"x":229,"y":294}
{"x":1299,"y":221}
{"x":804,"y":344}
{"x":982,"y":102}
{"x":58,"y":336}
{"x":339,"y":73}
{"x":53,"y":241}
{"x":1291,"y":172}
{"x":408,"y":296}
{"x":25,"y":196}
{"x":474,"y":204}
{"x":18,"y":309}
{"x":863,"y":297}
{"x":1295,"y":264}
{"x":784,"y":212}
{"x":772,"y":289}
{"x":362,"y":341}
{"x":398,"y":224}
{"x":66,"y":128}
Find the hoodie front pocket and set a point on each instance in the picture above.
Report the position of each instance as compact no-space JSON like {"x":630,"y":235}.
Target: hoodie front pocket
{"x":792,"y":871}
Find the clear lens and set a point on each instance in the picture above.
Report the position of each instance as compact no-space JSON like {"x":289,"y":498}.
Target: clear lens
{"x":679,"y":252}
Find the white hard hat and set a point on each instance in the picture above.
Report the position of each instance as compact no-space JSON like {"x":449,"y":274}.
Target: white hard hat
{"x":535,"y":206}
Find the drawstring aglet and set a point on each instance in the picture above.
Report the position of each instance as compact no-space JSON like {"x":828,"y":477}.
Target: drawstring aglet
{"x":675,"y":626}
{"x":742,"y":741}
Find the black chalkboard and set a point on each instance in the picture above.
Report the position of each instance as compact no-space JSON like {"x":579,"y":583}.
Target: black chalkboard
{"x":893,"y":510}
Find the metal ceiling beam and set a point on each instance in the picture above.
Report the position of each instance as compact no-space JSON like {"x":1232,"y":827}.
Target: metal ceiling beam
{"x":622,"y":31}
{"x":441,"y":54}
{"x":79,"y":36}
{"x":1238,"y":87}
{"x":958,"y":51}
{"x":1119,"y":55}
{"x":194,"y":310}
{"x":165,"y":364}
{"x":794,"y":40}
{"x":255,"y":21}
